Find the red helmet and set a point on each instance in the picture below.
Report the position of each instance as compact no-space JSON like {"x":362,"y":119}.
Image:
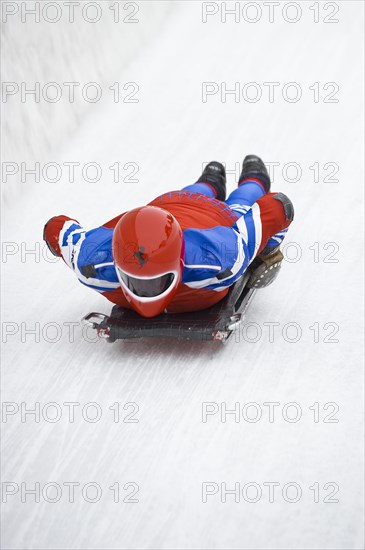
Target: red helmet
{"x":148,"y":250}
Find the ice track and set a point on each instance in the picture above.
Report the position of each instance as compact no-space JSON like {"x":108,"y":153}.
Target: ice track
{"x":170,"y":452}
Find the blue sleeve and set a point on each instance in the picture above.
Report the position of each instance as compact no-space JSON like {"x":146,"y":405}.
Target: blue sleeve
{"x":89,"y":255}
{"x":214,"y":258}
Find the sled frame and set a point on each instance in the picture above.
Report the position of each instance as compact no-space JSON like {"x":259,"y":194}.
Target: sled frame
{"x":215,"y":323}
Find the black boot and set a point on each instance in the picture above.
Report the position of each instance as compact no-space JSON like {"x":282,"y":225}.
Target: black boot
{"x":215,"y":175}
{"x":253,"y":167}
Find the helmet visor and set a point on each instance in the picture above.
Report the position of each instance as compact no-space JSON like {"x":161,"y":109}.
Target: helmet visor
{"x":147,"y":288}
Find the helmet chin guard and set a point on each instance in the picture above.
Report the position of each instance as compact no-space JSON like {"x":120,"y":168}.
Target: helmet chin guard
{"x":148,"y":251}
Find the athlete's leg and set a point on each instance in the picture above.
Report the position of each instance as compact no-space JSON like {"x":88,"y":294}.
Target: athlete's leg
{"x":242,"y":198}
{"x":254,"y":183}
{"x":202,"y":188}
{"x":266,"y":214}
{"x":276,"y":214}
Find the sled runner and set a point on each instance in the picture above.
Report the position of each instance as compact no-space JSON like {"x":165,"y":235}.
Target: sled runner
{"x":215,"y":323}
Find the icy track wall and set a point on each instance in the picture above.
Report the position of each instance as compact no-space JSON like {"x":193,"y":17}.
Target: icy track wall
{"x":34,"y":126}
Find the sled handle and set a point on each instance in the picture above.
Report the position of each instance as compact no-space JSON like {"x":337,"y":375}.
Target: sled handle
{"x":235,"y":321}
{"x":103,"y":332}
{"x":87,"y":320}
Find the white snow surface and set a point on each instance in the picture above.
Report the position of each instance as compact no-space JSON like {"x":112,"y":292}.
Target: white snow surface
{"x":170,"y":452}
